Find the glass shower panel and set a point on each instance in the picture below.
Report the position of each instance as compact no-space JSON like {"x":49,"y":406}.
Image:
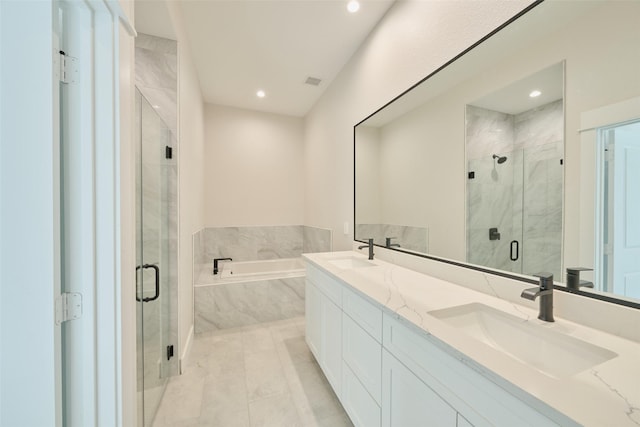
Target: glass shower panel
{"x":542,"y":199}
{"x":156,"y":216}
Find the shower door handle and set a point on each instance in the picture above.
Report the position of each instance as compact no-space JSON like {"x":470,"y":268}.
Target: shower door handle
{"x":517,"y":250}
{"x":157,"y":282}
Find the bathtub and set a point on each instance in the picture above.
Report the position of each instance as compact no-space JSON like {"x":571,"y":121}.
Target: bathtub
{"x":249,"y":292}
{"x":272,"y":267}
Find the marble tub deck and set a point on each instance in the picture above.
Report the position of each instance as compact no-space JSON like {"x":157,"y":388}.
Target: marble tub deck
{"x":262,"y":375}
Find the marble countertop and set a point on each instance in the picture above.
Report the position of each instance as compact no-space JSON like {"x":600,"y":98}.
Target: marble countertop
{"x":607,"y":394}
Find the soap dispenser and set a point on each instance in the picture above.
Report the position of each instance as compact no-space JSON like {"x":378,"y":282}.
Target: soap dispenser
{"x":573,"y":278}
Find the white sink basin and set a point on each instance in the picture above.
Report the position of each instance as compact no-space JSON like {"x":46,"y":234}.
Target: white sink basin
{"x":349,"y":263}
{"x":552,"y":353}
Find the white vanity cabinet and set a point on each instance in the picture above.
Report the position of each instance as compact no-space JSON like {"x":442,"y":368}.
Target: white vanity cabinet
{"x":387,"y":372}
{"x":323,"y":300}
{"x":362,"y":359}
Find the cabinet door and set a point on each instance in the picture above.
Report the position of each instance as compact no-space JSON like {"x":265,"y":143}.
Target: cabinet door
{"x":313,"y":321}
{"x":331,"y":344}
{"x":408,"y":402}
{"x":361,"y":407}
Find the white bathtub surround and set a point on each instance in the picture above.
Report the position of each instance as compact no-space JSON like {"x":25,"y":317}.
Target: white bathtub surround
{"x":232,"y":303}
{"x":408,"y":237}
{"x":606,"y":394}
{"x":264,"y":281}
{"x":315,"y":239}
{"x":259,"y":243}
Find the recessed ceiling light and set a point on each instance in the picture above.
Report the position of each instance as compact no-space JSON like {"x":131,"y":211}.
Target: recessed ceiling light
{"x":535,"y":94}
{"x":353,"y":6}
{"x":156,"y":106}
{"x":261,"y":94}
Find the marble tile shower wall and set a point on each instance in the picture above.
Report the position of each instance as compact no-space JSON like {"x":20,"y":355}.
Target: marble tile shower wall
{"x":522,"y":197}
{"x":259,"y":243}
{"x":156,"y":75}
{"x":408,"y":237}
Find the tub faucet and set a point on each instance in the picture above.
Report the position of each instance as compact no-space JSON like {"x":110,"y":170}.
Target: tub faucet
{"x":370,"y":246}
{"x":388,"y":243}
{"x":215,"y":263}
{"x":545,"y":292}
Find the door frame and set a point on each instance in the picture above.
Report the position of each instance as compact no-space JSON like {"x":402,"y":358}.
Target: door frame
{"x":32,"y":226}
{"x":592,"y":250}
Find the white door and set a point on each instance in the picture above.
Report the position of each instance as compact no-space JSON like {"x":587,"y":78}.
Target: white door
{"x":623,"y":141}
{"x":30,"y":380}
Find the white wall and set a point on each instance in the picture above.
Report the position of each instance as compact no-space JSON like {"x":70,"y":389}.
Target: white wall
{"x":368,"y":176}
{"x":190,"y":167}
{"x":412,"y":40}
{"x":253,"y":168}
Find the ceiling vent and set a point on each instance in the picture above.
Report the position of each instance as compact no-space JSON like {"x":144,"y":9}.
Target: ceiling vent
{"x":313,"y":81}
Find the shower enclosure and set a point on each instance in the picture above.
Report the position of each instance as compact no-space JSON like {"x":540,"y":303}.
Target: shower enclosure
{"x":156,"y":258}
{"x":514,"y":210}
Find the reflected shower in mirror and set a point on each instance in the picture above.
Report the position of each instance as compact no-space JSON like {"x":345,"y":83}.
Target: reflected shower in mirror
{"x":514,"y":199}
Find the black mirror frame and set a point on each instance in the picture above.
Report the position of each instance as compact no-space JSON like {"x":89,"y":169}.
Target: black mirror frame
{"x":598,"y":296}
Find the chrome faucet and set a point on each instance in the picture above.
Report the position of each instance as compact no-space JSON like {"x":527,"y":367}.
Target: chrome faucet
{"x":215,"y":263}
{"x":370,"y":246}
{"x":545,"y":292}
{"x":388,"y":243}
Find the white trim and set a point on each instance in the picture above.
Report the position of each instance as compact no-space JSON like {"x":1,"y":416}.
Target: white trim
{"x":186,"y":352}
{"x":608,"y":115}
{"x":116,"y":10}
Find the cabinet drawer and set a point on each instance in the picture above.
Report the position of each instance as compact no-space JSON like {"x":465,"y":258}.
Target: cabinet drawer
{"x":360,"y":406}
{"x":325,"y":283}
{"x":365,"y":314}
{"x":363,"y":355}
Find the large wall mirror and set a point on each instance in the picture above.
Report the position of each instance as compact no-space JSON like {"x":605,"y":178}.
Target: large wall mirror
{"x":519,"y":156}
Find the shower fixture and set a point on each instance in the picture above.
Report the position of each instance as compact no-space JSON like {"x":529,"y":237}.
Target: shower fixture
{"x":501,"y":159}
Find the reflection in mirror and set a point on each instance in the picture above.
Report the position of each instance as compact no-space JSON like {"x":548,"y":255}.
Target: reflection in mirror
{"x":620,"y":231}
{"x":455,"y":169}
{"x":515,"y":149}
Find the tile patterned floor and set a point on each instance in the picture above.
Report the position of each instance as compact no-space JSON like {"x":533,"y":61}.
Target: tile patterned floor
{"x":257,"y":376}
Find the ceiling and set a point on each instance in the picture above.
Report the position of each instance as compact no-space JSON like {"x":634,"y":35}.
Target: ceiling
{"x":242,"y":46}
{"x":514,"y":98}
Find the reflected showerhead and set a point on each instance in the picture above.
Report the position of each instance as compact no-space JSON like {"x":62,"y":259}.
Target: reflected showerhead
{"x":500,"y":159}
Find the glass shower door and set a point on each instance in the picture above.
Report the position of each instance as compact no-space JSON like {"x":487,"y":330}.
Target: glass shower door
{"x":514,"y":210}
{"x":494,"y":211}
{"x":156,"y":243}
